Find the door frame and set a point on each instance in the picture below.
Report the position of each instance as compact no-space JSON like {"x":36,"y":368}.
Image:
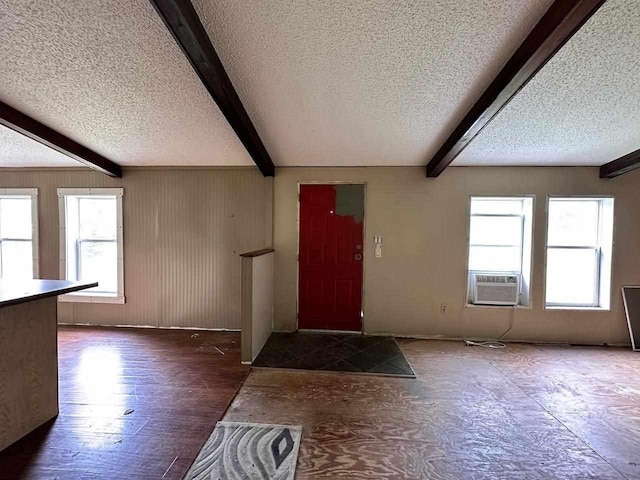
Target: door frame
{"x":364,"y":251}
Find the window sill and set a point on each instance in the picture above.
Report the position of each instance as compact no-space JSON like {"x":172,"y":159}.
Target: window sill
{"x":510,"y":307}
{"x":96,"y":298}
{"x":569,"y":307}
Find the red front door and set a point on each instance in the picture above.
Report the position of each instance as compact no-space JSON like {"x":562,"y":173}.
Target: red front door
{"x":331,"y":257}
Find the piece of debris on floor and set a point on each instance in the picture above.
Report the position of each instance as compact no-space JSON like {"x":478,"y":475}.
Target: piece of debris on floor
{"x":208,"y":346}
{"x":128,"y":411}
{"x":167,"y":470}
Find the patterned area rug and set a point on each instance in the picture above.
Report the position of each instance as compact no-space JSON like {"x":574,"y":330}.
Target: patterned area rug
{"x":248,"y":451}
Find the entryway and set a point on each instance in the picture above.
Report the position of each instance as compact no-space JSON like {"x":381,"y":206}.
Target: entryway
{"x":331,"y":256}
{"x":334,"y":352}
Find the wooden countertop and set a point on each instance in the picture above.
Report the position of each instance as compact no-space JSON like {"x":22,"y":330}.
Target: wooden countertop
{"x":14,"y":292}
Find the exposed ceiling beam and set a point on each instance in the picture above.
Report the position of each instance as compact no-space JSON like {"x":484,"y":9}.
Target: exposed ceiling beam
{"x":622,"y":165}
{"x":182,"y":20}
{"x":21,"y":123}
{"x":559,"y":23}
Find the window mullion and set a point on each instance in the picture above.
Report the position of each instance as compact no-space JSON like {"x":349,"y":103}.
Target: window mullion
{"x":78,"y":259}
{"x":598,"y":255}
{"x":520,"y":250}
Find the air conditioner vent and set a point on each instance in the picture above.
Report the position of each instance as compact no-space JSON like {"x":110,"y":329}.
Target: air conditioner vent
{"x":497,"y":279}
{"x":495,"y":289}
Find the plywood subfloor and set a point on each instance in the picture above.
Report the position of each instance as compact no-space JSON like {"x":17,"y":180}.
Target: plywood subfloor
{"x":134,"y":403}
{"x":526,"y":412}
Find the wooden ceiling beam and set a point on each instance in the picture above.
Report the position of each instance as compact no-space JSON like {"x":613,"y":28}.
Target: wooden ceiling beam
{"x":27,"y":126}
{"x":561,"y":21}
{"x":183,"y":22}
{"x":620,"y":166}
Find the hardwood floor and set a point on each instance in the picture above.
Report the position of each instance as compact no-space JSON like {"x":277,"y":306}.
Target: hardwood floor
{"x":526,"y":412}
{"x":134,"y":404}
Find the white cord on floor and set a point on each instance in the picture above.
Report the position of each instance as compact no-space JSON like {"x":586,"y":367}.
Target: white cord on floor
{"x":487,"y":344}
{"x":496,"y":344}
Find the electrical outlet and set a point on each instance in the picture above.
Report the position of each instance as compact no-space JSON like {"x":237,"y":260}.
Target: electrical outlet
{"x":443,"y":308}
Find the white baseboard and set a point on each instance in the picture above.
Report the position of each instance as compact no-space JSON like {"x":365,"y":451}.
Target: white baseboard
{"x":149,"y":326}
{"x":479,"y":339}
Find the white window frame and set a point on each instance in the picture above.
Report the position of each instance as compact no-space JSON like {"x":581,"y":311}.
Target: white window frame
{"x":91,"y":297}
{"x":526,"y":243}
{"x":33,"y":193}
{"x":598,"y":249}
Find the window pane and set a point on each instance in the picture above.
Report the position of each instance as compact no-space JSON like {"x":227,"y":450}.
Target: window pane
{"x":15,"y":218}
{"x":496,"y":231}
{"x":571,"y":276}
{"x":17,"y":260}
{"x":494,"y":259}
{"x":573,"y":223}
{"x":507,"y":206}
{"x":98,"y":218}
{"x":99,"y":261}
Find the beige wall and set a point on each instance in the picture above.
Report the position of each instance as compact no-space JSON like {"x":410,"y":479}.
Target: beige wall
{"x":183,"y":232}
{"x":262,"y":305}
{"x":424,"y":223}
{"x":257,"y":304}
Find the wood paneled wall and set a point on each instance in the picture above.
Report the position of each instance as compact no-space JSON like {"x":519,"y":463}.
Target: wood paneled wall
{"x":183,"y":232}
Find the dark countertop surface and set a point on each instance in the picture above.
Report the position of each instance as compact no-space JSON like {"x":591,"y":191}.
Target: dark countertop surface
{"x":257,"y":253}
{"x":14,"y":292}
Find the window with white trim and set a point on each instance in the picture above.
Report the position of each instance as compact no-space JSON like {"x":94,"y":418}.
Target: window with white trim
{"x":579,"y":250}
{"x":91,"y":242}
{"x":18,"y":233}
{"x":500,"y":230}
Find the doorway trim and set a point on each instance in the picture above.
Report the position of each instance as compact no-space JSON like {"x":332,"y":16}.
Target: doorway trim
{"x":364,"y":250}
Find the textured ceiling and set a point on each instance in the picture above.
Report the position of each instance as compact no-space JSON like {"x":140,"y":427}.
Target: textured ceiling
{"x":375,"y":82}
{"x":583,"y":107}
{"x":362,"y":82}
{"x":16,"y":150}
{"x":109,"y":75}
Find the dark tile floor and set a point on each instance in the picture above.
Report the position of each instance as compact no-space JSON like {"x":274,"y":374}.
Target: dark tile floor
{"x":334,"y":353}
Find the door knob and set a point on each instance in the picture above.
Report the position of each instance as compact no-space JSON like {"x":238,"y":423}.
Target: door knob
{"x":358,"y":256}
{"x":358,"y":246}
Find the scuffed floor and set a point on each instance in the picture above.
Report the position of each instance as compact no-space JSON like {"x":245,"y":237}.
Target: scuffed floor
{"x":526,"y":412}
{"x":135,"y":403}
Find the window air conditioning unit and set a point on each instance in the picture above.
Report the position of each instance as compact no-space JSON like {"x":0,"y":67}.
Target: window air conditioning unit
{"x":488,"y":289}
